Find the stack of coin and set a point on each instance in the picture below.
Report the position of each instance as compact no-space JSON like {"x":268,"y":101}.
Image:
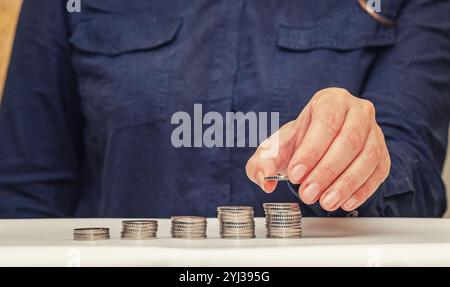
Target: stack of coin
{"x":91,"y":234}
{"x":283,"y":220}
{"x":236,"y":222}
{"x":188,"y":227}
{"x":139,"y":229}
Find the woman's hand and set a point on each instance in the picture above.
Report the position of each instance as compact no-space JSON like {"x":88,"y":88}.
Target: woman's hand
{"x":335,"y":149}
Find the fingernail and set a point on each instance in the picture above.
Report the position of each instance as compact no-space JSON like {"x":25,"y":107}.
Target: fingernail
{"x":331,"y":199}
{"x":350,"y":203}
{"x":310,"y":193}
{"x":297,"y":173}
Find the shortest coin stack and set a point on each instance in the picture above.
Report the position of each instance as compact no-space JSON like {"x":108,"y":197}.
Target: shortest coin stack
{"x":188,"y":227}
{"x":236,"y":222}
{"x":91,"y":234}
{"x":283,"y":220}
{"x":139,"y":229}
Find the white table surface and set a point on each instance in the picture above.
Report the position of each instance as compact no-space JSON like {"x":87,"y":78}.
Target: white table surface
{"x":325,"y":242}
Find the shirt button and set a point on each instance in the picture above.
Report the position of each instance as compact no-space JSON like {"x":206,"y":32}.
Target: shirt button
{"x":353,"y":213}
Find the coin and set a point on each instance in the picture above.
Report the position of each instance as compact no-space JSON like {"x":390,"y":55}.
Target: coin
{"x":278,"y":177}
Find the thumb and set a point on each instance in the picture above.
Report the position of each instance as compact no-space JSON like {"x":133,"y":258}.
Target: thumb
{"x":272,"y":157}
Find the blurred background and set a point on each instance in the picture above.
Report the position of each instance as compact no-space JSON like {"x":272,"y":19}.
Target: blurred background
{"x":9,"y":11}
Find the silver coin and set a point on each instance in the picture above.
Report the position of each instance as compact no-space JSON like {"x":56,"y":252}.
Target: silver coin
{"x":287,"y":220}
{"x":225,"y":227}
{"x":139,"y":222}
{"x":237,"y":238}
{"x":188,"y":233}
{"x":137,"y":238}
{"x":91,"y":238}
{"x":188,"y":230}
{"x":286,"y":237}
{"x":237,"y":231}
{"x":183,"y":227}
{"x":235,"y":214}
{"x":283,"y":218}
{"x":282,"y":206}
{"x":187,"y":227}
{"x":188,"y":218}
{"x":278,"y":177}
{"x":235,"y":217}
{"x":91,"y":235}
{"x":91,"y":230}
{"x":285,"y":226}
{"x":189,"y":238}
{"x":285,"y":232}
{"x":187,"y":224}
{"x":282,"y":212}
{"x":141,"y":228}
{"x":271,"y":234}
{"x":236,"y":222}
{"x":283,"y":222}
{"x":246,"y":209}
{"x":139,"y":233}
{"x":280,"y":226}
{"x":238,"y":226}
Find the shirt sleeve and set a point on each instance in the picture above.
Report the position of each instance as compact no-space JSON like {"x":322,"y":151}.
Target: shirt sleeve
{"x":410,"y":88}
{"x":40,"y":118}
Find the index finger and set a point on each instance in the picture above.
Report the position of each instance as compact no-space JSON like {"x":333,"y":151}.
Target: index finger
{"x":261,"y":165}
{"x":327,"y":118}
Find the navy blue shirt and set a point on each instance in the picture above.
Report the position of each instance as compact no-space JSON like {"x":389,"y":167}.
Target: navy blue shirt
{"x":85,"y":121}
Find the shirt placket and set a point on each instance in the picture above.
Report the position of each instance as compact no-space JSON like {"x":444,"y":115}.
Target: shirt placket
{"x":224,"y":63}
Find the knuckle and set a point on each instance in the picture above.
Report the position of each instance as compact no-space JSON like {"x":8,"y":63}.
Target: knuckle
{"x":338,"y":91}
{"x":360,"y":195}
{"x":381,"y":174}
{"x":325,"y":172}
{"x":354,"y":138}
{"x":368,"y":107}
{"x":311,"y":152}
{"x":374,"y":154}
{"x":342,"y":92}
{"x":386,"y":170}
{"x":250,"y":167}
{"x":388,"y":162}
{"x":364,"y":192}
{"x":247,"y":168}
{"x":349,"y":183}
{"x":330,"y":121}
{"x":380,"y":132}
{"x":334,"y":93}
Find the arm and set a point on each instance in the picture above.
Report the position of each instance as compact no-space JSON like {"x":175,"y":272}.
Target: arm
{"x":342,"y":147}
{"x":40,"y":119}
{"x":410,"y":88}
